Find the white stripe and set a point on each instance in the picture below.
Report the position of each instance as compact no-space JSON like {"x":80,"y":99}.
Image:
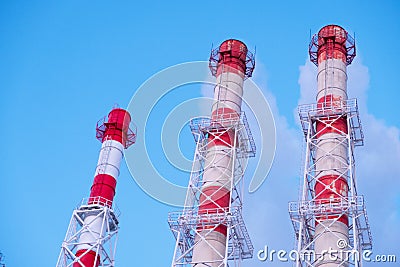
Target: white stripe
{"x":332,"y":79}
{"x":228,"y":92}
{"x":110,"y":157}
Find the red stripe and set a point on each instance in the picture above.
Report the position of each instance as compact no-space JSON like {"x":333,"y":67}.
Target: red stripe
{"x":214,"y":199}
{"x":88,"y":259}
{"x":220,"y":120}
{"x":332,"y":43}
{"x":220,"y":138}
{"x":328,"y":189}
{"x":331,"y":125}
{"x":117,"y":125}
{"x":232,"y":57}
{"x":329,"y":105}
{"x":103,"y":189}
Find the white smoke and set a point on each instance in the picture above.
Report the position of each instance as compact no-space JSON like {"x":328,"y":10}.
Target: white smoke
{"x":377,"y":164}
{"x":308,"y":83}
{"x":266,"y":210}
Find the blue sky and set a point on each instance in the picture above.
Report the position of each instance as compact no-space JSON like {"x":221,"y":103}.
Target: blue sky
{"x":64,"y":64}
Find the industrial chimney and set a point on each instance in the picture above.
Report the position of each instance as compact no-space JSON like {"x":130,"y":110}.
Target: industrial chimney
{"x":330,"y":217}
{"x":91,"y":236}
{"x":208,"y":230}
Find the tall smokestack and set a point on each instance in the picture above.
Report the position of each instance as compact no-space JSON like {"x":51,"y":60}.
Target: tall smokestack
{"x":217,"y":175}
{"x":332,"y":129}
{"x":331,"y":152}
{"x":94,"y":223}
{"x":214,"y":197}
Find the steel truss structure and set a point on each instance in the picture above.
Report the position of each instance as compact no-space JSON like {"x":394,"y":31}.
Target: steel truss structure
{"x":310,"y":210}
{"x":106,"y":239}
{"x":185,"y":225}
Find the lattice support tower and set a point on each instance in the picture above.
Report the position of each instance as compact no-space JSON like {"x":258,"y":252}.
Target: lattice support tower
{"x":330,"y":219}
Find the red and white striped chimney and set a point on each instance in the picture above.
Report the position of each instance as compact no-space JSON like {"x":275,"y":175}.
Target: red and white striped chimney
{"x":217,"y":177}
{"x":332,"y":151}
{"x":115,"y":137}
